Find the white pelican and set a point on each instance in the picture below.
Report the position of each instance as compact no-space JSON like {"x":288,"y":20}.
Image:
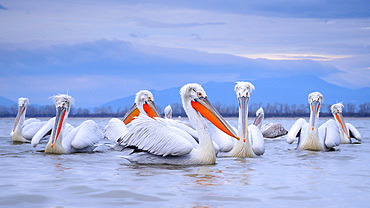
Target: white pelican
{"x":251,"y":143}
{"x":269,"y":130}
{"x":143,"y":104}
{"x":346,"y":130}
{"x":166,"y":144}
{"x":309,"y":136}
{"x":79,"y":139}
{"x":168,"y":112}
{"x":47,"y":129}
{"x":24,"y":130}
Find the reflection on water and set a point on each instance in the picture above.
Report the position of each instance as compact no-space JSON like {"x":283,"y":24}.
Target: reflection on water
{"x":206,"y":176}
{"x":282,"y":177}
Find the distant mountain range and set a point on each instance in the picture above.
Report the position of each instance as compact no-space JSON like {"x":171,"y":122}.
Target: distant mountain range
{"x":6,"y":102}
{"x":292,"y":90}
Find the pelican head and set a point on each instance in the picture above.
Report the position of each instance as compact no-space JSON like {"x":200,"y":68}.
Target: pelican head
{"x":63,"y":106}
{"x":315,"y":100}
{"x":23,"y":102}
{"x":260,"y":114}
{"x":336,"y":110}
{"x":243,"y":91}
{"x":144,"y":102}
{"x":168,"y":112}
{"x":22,"y":106}
{"x":194,"y":97}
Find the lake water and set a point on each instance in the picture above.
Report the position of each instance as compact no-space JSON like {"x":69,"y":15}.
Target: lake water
{"x":282,"y":177}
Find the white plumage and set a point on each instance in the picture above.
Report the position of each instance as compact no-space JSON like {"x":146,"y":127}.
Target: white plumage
{"x":346,"y":130}
{"x":166,"y":144}
{"x":46,"y":129}
{"x":251,"y":143}
{"x":143,"y":104}
{"x":310,"y":137}
{"x":66,"y":139}
{"x":24,"y":130}
{"x":168,"y":112}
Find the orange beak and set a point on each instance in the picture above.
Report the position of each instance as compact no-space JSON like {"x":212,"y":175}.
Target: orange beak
{"x":339,"y":118}
{"x":19,"y":115}
{"x":150,"y":109}
{"x":61,"y":112}
{"x":131,"y":114}
{"x":205,"y":108}
{"x":315,"y":108}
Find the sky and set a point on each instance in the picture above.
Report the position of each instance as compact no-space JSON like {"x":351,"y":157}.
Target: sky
{"x":98,"y":51}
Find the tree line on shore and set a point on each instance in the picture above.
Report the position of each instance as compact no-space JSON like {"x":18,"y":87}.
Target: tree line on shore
{"x":271,"y":110}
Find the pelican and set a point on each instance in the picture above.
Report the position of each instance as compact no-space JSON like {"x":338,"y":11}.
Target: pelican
{"x":168,"y":112}
{"x":46,"y":129}
{"x":24,"y":130}
{"x":269,"y":130}
{"x":143,"y":104}
{"x":79,"y":139}
{"x":346,"y":130}
{"x":310,"y":137}
{"x":165,"y":144}
{"x":251,"y":143}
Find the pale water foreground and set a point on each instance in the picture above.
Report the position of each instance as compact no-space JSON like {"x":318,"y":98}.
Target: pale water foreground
{"x":282,"y":177}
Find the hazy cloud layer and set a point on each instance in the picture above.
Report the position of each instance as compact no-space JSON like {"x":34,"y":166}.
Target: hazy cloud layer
{"x":108,"y":69}
{"x":157,"y":44}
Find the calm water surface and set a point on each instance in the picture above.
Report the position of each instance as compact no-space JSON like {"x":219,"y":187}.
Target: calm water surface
{"x":282,"y":177}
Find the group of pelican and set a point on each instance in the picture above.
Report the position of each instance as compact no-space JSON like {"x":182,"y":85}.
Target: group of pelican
{"x":64,"y":137}
{"x":157,"y":140}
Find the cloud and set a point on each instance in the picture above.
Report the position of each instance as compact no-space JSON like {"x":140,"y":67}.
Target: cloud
{"x":121,"y":57}
{"x":99,"y":71}
{"x":286,"y":8}
{"x":157,"y":24}
{"x":314,"y":57}
{"x":179,"y":41}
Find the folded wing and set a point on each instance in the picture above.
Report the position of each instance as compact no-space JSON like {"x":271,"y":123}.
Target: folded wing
{"x":85,"y":135}
{"x":156,"y":137}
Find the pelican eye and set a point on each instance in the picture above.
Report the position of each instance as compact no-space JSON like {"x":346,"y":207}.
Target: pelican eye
{"x":199,"y":94}
{"x":149,"y":98}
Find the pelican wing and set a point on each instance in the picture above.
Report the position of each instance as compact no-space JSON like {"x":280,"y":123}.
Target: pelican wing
{"x":43,"y":131}
{"x":182,"y":126}
{"x":29,"y":121}
{"x":257,"y":141}
{"x":68,"y":128}
{"x":224,"y":141}
{"x":85,"y":135}
{"x":353,"y":132}
{"x":32,"y":128}
{"x":329,"y":134}
{"x":296,"y":130}
{"x":156,"y":137}
{"x":115,"y":129}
